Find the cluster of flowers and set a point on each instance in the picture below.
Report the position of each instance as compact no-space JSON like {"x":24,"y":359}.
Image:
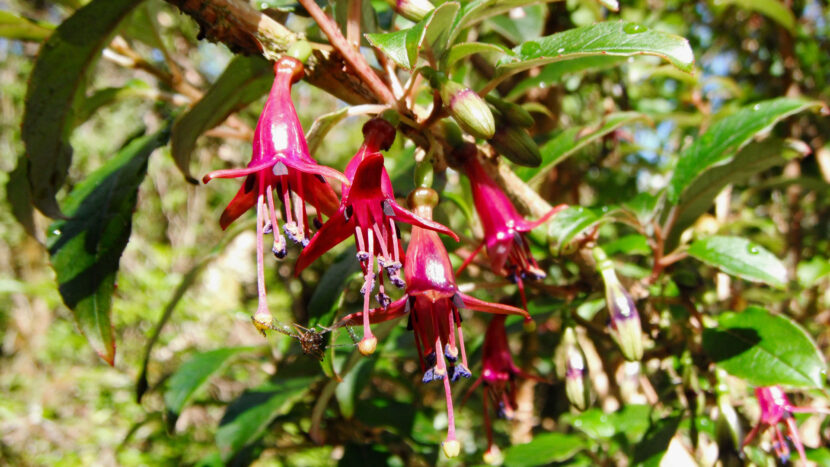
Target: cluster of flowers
{"x":282,"y":169}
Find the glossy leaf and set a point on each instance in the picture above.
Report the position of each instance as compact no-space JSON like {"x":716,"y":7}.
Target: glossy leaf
{"x":478,"y":10}
{"x":465,"y":49}
{"x":23,"y":29}
{"x":765,"y":349}
{"x":85,"y":249}
{"x":775,"y":10}
{"x":554,"y":72}
{"x":650,"y":450}
{"x":403,"y":46}
{"x":543,"y":450}
{"x":572,"y":140}
{"x":192,"y":375}
{"x":614,"y":38}
{"x":244,"y":80}
{"x":58,"y":76}
{"x":247,"y":417}
{"x":742,"y":258}
{"x":566,"y":225}
{"x":728,"y":135}
{"x":699,"y":195}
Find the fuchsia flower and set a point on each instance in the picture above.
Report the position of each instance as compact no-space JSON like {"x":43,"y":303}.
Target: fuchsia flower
{"x":280,"y":166}
{"x":369,"y":211}
{"x":504,"y":228}
{"x":432,"y":302}
{"x":777,"y":408}
{"x":499,"y":376}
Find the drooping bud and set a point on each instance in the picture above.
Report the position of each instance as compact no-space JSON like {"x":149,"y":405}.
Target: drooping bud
{"x":625,"y":320}
{"x":467,"y":108}
{"x":413,"y":10}
{"x":451,"y":448}
{"x":517,"y":146}
{"x":577,"y":383}
{"x":514,"y":114}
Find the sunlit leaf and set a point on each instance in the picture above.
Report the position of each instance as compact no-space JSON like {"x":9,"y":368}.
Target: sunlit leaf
{"x":742,"y":258}
{"x":543,"y":450}
{"x":23,"y":29}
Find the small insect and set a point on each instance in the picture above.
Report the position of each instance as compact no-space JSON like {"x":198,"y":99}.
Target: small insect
{"x":312,"y":341}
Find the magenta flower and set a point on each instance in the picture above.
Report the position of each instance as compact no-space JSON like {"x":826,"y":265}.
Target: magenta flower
{"x":280,"y":167}
{"x":499,"y":377}
{"x":432,"y":302}
{"x":504,"y":228}
{"x":777,"y":408}
{"x":369,"y":211}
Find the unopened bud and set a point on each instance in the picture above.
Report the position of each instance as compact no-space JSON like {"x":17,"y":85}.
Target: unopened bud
{"x":451,"y":448}
{"x":262,"y":319}
{"x":577,"y":383}
{"x":517,"y":146}
{"x":625,"y":320}
{"x":514,"y":114}
{"x":367,"y":345}
{"x":467,"y":108}
{"x":413,"y":10}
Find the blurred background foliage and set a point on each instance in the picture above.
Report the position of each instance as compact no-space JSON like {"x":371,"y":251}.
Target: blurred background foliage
{"x":62,"y":405}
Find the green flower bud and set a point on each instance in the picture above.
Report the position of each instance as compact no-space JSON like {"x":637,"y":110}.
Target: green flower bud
{"x":515,"y":114}
{"x":467,"y":108}
{"x":577,"y":383}
{"x":517,"y":146}
{"x":413,"y":10}
{"x":625,"y":320}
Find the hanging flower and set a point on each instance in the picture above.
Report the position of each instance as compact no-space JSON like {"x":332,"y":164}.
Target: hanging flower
{"x":431,"y":303}
{"x":777,"y":408}
{"x":280,"y":167}
{"x":499,"y":375}
{"x":369,"y":211}
{"x":504,"y":228}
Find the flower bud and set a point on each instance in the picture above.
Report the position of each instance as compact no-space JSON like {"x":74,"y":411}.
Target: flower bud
{"x":467,"y":108}
{"x":451,"y":448}
{"x":517,"y":146}
{"x":514,"y":114}
{"x":577,"y":383}
{"x":625,"y":320}
{"x":413,"y":10}
{"x":367,"y":345}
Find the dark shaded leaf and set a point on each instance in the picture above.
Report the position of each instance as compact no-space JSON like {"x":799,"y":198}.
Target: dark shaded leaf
{"x":353,"y":382}
{"x":19,"y":196}
{"x":765,"y":349}
{"x":56,"y":79}
{"x":742,"y":258}
{"x":650,"y":450}
{"x":244,"y":80}
{"x":773,"y":9}
{"x":544,"y":449}
{"x":85,"y":249}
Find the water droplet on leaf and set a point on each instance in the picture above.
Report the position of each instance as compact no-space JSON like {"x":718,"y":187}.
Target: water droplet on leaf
{"x":633,"y":28}
{"x":753,"y":249}
{"x":531,"y":49}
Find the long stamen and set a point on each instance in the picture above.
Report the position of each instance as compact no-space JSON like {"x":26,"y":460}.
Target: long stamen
{"x":461,"y":344}
{"x":451,"y":446}
{"x":369,"y":342}
{"x":394,"y":234}
{"x":262,"y":318}
{"x":279,"y":241}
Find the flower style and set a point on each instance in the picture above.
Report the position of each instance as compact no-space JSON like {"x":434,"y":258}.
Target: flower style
{"x":499,"y":376}
{"x":432,"y":302}
{"x":504,"y":228}
{"x":777,"y":408}
{"x":369,"y":211}
{"x":280,"y":166}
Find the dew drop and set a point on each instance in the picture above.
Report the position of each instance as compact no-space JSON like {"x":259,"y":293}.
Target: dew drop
{"x":756,"y":107}
{"x":531,"y":49}
{"x":561,"y":49}
{"x":633,"y":28}
{"x":56,"y":232}
{"x":752,"y":249}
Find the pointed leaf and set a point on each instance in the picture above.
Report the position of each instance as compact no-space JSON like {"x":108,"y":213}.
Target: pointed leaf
{"x":465,"y":49}
{"x":244,"y":80}
{"x":56,"y":79}
{"x":615,"y":38}
{"x":247,"y":417}
{"x":742,"y":258}
{"x":193,"y":374}
{"x":478,"y":10}
{"x":765,"y":349}
{"x":23,"y":29}
{"x":543,"y":450}
{"x":729,"y":135}
{"x":773,"y":9}
{"x":554,"y":72}
{"x":85,"y":249}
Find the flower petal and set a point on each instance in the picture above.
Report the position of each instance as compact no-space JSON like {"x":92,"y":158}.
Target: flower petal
{"x":524,"y":225}
{"x":413,"y":219}
{"x":245,"y":199}
{"x":395,"y":309}
{"x":234,"y":173}
{"x":366,"y":183}
{"x":334,"y":231}
{"x":311,"y":167}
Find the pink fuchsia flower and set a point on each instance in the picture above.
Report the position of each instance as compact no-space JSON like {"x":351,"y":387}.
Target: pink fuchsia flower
{"x":431,"y":303}
{"x":777,"y":408}
{"x":499,"y":377}
{"x":280,"y":167}
{"x":504,"y":229}
{"x":368,"y":211}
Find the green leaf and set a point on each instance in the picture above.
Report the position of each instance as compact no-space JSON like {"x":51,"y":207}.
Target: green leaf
{"x":465,"y":49}
{"x":23,"y":29}
{"x":247,"y":417}
{"x":321,"y":127}
{"x":742,"y":258}
{"x":554,"y":72}
{"x":527,"y":26}
{"x":573,"y":139}
{"x":353,"y":382}
{"x":403,"y":46}
{"x":699,"y":195}
{"x":812,"y":270}
{"x":85,"y":249}
{"x":765,"y":349}
{"x":566,"y":225}
{"x":729,"y":135}
{"x":85,"y":108}
{"x":56,"y":79}
{"x":19,"y":195}
{"x":543,"y":450}
{"x":479,"y":10}
{"x":650,"y":450}
{"x":244,"y":80}
{"x":192,"y":375}
{"x":615,"y":38}
{"x":773,"y":9}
